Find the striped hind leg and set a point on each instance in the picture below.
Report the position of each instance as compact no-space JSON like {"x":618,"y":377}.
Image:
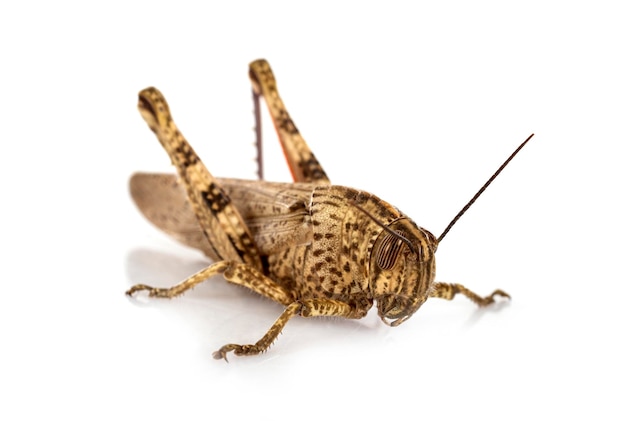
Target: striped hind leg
{"x":302,"y":163}
{"x":221,"y":222}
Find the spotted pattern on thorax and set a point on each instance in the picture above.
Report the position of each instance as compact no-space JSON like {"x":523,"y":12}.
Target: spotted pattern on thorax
{"x":335,"y":264}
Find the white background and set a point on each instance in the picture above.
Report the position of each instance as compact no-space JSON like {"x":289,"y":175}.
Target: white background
{"x":418,"y":104}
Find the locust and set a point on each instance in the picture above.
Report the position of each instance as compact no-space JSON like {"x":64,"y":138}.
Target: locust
{"x":317,"y":249}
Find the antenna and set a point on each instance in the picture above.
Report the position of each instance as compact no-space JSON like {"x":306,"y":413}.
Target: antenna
{"x":482,"y":189}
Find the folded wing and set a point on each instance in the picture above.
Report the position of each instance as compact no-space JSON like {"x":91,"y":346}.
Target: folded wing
{"x":277,"y":214}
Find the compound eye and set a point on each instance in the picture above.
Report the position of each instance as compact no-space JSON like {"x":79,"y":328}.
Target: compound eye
{"x":389,"y":250}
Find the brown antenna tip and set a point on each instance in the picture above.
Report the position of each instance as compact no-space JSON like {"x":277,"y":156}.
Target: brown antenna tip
{"x":482,"y":189}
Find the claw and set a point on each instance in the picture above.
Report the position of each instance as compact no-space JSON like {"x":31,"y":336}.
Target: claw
{"x":223,"y":351}
{"x":237,"y":349}
{"x":220,"y":354}
{"x":500,"y":293}
{"x":136,"y":288}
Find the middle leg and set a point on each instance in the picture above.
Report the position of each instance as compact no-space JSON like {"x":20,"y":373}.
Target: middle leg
{"x":234,"y":272}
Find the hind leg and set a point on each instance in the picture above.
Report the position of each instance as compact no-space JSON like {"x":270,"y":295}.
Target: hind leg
{"x":302,"y":163}
{"x":218,"y":217}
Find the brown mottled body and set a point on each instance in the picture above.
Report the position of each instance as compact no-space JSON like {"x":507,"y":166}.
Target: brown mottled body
{"x":318,"y":249}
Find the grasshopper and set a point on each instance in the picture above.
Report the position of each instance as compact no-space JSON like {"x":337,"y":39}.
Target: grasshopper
{"x":316,"y":248}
